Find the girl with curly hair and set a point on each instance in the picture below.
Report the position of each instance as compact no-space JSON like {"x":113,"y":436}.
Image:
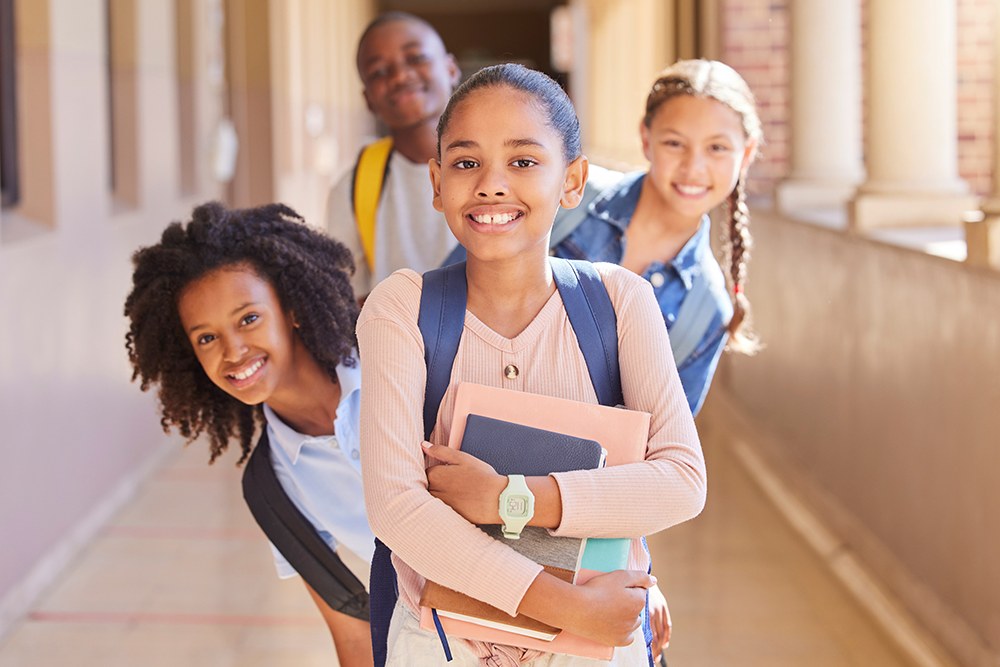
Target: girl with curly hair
{"x":245,"y":318}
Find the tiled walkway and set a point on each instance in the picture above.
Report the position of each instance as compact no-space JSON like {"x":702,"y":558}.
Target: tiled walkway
{"x":182,"y":578}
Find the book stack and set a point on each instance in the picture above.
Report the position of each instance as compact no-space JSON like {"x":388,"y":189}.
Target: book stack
{"x":534,"y":435}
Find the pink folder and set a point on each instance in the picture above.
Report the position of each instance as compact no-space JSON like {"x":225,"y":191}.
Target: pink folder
{"x":623,"y":433}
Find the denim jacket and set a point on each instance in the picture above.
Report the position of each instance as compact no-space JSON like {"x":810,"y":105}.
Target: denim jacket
{"x":601,"y":238}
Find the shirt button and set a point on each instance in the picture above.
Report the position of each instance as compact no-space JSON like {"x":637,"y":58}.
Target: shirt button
{"x":510,"y":372}
{"x":657,"y":279}
{"x":355,"y":454}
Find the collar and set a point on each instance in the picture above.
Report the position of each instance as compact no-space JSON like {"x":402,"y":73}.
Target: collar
{"x":616,"y":206}
{"x":689,"y":257}
{"x":290,"y":440}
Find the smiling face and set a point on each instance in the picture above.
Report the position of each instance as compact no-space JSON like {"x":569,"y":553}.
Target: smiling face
{"x":407,"y":74}
{"x":697,"y":149}
{"x":502,"y":174}
{"x":242,"y":337}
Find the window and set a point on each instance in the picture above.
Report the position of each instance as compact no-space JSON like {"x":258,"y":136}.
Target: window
{"x":122,"y":103}
{"x":9,"y":168}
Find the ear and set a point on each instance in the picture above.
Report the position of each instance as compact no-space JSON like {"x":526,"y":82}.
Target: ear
{"x":454,"y":71}
{"x":574,"y":182}
{"x":435,"y":172}
{"x":646,"y":141}
{"x":368,"y":102}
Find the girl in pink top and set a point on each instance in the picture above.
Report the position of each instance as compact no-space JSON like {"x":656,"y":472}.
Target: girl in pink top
{"x":509,"y":156}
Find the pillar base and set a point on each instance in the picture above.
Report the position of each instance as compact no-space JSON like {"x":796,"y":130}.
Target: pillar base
{"x":796,"y":194}
{"x":870,"y":210}
{"x":982,"y":241}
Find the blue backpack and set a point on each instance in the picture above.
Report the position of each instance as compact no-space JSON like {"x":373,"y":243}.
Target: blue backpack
{"x":441,"y":320}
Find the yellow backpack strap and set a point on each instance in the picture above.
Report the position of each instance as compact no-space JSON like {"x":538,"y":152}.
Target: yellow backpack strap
{"x":369,"y":176}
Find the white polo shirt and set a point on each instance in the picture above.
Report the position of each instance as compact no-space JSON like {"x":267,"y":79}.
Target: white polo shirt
{"x":322,"y":477}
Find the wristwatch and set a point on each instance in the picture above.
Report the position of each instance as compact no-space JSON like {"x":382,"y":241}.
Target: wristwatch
{"x":517,"y":506}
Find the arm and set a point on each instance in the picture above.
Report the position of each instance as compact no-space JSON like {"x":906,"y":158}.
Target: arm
{"x":351,"y":636}
{"x":670,"y":484}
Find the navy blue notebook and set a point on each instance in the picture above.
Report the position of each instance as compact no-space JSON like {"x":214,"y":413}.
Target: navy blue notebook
{"x":517,"y":449}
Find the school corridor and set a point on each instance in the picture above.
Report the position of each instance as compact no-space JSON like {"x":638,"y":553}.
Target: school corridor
{"x":853,"y":464}
{"x":182,"y":576}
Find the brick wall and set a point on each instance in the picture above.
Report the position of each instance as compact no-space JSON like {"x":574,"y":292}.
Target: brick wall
{"x":976,"y":116}
{"x":755,"y":41}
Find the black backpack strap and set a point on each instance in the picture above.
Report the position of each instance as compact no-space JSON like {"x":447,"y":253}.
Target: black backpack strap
{"x":592,"y":316}
{"x":296,"y":538}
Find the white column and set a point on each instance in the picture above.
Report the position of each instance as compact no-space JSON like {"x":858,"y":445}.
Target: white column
{"x":826,"y":162}
{"x":912,"y":126}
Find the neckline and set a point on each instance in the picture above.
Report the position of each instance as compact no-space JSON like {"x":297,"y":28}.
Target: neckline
{"x":522,"y":340}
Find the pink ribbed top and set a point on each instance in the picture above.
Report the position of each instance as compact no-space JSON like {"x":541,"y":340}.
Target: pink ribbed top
{"x":430,"y":540}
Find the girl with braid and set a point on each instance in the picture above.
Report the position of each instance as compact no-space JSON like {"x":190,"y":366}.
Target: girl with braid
{"x":244,"y":319}
{"x":700,"y":132}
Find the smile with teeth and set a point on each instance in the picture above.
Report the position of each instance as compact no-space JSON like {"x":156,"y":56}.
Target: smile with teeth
{"x":498,"y":219}
{"x":691,"y":190}
{"x":248,"y":371}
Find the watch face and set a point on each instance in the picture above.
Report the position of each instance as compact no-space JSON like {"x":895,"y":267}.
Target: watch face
{"x":517,"y":506}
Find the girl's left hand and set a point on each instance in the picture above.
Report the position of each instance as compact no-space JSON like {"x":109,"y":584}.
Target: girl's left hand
{"x":469,"y":486}
{"x":659,"y":620}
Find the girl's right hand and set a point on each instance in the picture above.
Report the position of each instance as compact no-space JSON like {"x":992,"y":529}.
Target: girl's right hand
{"x":610,"y":609}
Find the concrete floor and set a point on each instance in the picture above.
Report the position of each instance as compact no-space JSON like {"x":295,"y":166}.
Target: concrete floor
{"x":182,"y":577}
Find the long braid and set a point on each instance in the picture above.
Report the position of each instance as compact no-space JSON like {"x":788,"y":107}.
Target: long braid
{"x":738,"y":244}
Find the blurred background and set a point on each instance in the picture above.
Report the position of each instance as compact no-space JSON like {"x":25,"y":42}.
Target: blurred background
{"x":864,"y":441}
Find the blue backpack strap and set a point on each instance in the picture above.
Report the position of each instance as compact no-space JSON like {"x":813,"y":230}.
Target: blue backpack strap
{"x":592,"y":316}
{"x":441,"y":319}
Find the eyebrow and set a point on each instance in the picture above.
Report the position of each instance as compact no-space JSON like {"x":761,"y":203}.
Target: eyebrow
{"x":719,"y":135}
{"x":512,"y":143}
{"x":235,"y":310}
{"x":412,"y":44}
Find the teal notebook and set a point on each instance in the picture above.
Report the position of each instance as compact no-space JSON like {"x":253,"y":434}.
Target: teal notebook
{"x":605,"y":554}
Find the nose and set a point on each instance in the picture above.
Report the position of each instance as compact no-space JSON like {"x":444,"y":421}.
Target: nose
{"x":694,"y":162}
{"x":234,"y":349}
{"x":492,"y":183}
{"x":400,"y":72}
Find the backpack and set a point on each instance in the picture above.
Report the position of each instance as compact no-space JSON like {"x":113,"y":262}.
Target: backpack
{"x":441,"y":321}
{"x":296,"y":538}
{"x":370,"y":172}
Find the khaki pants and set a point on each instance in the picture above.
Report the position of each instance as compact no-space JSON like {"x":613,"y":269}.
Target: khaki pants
{"x":411,"y":646}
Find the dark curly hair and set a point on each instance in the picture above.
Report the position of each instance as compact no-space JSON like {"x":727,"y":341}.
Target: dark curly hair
{"x":309,"y":271}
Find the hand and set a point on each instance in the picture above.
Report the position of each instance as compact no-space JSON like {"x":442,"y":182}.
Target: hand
{"x":659,"y":620}
{"x":468,"y":485}
{"x":612,"y":607}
